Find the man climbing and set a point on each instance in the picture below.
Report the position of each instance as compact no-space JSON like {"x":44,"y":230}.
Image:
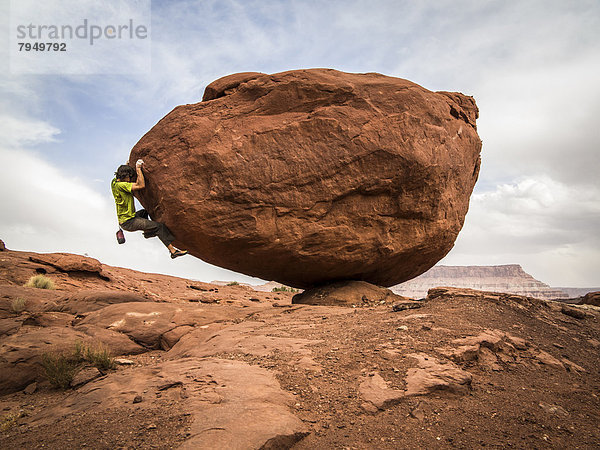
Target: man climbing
{"x":127,"y":181}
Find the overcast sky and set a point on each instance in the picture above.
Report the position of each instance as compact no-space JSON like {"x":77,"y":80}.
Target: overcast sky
{"x":532,"y":66}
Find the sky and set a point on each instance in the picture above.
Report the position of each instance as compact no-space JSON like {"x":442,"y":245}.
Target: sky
{"x":532,"y":66}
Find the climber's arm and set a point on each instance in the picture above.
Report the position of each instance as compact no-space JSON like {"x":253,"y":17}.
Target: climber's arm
{"x":140,"y":182}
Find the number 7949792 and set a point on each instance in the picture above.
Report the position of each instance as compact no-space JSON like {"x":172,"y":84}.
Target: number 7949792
{"x":42,"y":46}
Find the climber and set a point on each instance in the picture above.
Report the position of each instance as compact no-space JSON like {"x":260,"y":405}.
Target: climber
{"x":127,"y":181}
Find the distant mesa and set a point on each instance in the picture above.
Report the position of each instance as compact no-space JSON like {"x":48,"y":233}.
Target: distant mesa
{"x":313,"y":176}
{"x":510,"y":278}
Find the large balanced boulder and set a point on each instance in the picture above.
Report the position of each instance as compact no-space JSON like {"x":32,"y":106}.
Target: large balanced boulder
{"x":312,"y":176}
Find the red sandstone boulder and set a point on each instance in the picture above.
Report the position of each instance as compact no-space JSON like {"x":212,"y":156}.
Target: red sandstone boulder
{"x":312,"y":176}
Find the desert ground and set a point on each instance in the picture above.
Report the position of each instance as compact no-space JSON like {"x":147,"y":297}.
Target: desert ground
{"x":207,"y":366}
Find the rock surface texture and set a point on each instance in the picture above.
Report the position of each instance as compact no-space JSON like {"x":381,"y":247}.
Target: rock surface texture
{"x":591,"y":298}
{"x":312,"y":176}
{"x":205,"y":366}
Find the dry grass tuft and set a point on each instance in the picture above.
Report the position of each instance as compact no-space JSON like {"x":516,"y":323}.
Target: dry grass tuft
{"x":18,"y":305}
{"x":61,"y":367}
{"x":40,"y":282}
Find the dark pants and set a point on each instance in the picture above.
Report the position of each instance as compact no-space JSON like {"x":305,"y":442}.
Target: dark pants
{"x":150,"y":228}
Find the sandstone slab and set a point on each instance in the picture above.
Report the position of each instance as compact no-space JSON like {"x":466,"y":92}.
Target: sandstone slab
{"x":376,"y":392}
{"x":49,"y":319}
{"x":147,"y":322}
{"x":85,"y":301}
{"x":68,"y":262}
{"x":547,"y":359}
{"x":252,"y":411}
{"x":246,"y":338}
{"x":117,"y":343}
{"x":84,"y":376}
{"x":487,"y":348}
{"x":234,"y":405}
{"x":10,"y":326}
{"x":432,"y":375}
{"x":21,"y":352}
{"x":171,"y":337}
{"x":591,"y":298}
{"x":312,"y":176}
{"x":36,"y":300}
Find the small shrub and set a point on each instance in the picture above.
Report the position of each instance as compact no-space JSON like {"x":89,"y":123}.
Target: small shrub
{"x":18,"y":305}
{"x":233,"y":283}
{"x":79,"y":350}
{"x":40,"y":282}
{"x":60,"y":368}
{"x":284,"y":289}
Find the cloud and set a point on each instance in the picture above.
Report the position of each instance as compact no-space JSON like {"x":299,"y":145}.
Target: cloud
{"x":538,"y":212}
{"x":542,"y":120}
{"x":49,"y":207}
{"x":17,"y":132}
{"x":548,"y":226}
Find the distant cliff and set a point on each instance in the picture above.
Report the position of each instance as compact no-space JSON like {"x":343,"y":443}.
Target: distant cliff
{"x":509,"y":278}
